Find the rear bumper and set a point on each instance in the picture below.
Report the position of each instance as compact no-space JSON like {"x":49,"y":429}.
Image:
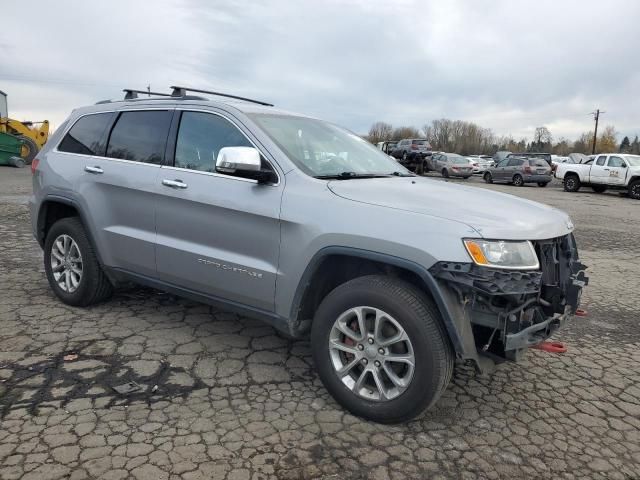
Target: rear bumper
{"x":537,"y":178}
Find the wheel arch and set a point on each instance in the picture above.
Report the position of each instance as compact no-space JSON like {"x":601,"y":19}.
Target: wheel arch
{"x":333,"y":266}
{"x":54,"y":208}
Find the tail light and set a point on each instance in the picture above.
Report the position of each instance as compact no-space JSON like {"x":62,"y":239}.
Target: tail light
{"x":527,"y":169}
{"x":454,"y":168}
{"x":34,"y":166}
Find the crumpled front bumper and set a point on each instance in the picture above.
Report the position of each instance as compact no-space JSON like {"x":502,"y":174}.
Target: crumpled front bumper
{"x":511,"y":310}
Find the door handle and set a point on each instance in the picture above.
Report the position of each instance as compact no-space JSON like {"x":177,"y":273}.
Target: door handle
{"x":93,"y":169}
{"x":174,"y":183}
{"x":607,"y":169}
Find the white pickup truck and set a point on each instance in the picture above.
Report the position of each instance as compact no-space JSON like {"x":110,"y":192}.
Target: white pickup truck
{"x":619,"y":171}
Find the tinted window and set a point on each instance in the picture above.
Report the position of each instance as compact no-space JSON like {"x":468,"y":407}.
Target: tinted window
{"x":616,"y":162}
{"x":601,"y":160}
{"x":503,"y":163}
{"x":86,"y":135}
{"x":140,"y":136}
{"x":200,"y":138}
{"x":538,"y":163}
{"x":514,"y":162}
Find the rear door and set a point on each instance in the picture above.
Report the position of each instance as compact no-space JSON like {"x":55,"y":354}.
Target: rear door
{"x":218,"y":234}
{"x":599,"y":172}
{"x":117,"y":188}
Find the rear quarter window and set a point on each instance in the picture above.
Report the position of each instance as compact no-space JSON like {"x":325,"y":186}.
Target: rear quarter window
{"x":86,"y":137}
{"x":538,"y":163}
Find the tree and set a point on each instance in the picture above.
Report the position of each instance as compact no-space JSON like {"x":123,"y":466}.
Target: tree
{"x":583,"y":143}
{"x":379,"y":132}
{"x":625,"y":146}
{"x":607,"y":142}
{"x":562,"y":147}
{"x":541,"y":138}
{"x":635,"y":146}
{"x":405,"y":132}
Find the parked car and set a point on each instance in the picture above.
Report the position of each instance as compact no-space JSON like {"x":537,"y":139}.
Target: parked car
{"x":475,"y":166}
{"x":387,"y":147}
{"x":483,"y":162}
{"x":451,"y":165}
{"x":520,"y":170}
{"x":304,"y":225}
{"x":544,"y":156}
{"x":412,"y":153}
{"x":617,"y":171}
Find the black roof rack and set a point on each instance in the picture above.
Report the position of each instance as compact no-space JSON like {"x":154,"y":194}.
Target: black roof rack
{"x":130,"y":93}
{"x":182,"y":91}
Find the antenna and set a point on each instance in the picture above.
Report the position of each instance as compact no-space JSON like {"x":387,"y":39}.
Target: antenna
{"x":182,"y":91}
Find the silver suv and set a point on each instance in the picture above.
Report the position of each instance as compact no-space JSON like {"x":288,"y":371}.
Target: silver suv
{"x":308,"y":227}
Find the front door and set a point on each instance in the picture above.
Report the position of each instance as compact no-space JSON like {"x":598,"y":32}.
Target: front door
{"x":217,"y":234}
{"x":617,"y":170}
{"x":599,"y":171}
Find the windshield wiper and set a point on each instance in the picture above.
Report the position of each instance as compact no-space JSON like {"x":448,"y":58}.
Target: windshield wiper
{"x":349,"y":176}
{"x":352,"y":175}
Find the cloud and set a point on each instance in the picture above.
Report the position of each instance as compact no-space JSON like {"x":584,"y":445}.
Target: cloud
{"x":510,"y":66}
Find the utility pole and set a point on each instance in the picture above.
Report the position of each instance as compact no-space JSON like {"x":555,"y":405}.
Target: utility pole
{"x":149,"y":90}
{"x":596,"y":116}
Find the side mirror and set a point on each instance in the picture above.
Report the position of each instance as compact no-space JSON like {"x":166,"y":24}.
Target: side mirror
{"x":238,"y":160}
{"x":624,"y":165}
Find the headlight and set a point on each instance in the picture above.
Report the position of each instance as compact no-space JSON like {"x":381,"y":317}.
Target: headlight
{"x":502,"y":254}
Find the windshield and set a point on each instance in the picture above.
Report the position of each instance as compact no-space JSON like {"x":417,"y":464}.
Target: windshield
{"x":634,"y":160}
{"x":322,"y":149}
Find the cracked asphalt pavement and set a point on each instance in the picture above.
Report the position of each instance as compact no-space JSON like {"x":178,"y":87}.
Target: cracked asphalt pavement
{"x":224,"y":397}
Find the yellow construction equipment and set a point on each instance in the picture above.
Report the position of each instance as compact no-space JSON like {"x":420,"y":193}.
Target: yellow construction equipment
{"x":32,"y":137}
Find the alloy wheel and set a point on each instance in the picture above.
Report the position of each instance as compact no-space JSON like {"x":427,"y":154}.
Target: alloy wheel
{"x":371,"y":353}
{"x":66,"y":263}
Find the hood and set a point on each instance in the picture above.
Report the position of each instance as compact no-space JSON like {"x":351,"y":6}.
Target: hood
{"x":492,"y":214}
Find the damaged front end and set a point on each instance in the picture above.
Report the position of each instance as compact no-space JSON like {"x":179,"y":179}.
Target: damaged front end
{"x":500,"y":313}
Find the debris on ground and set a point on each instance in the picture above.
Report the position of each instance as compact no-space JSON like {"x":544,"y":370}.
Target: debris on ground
{"x":126,"y":388}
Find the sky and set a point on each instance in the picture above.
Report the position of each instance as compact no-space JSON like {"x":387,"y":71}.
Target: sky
{"x":507,"y":65}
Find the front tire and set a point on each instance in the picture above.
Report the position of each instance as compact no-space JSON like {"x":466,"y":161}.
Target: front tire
{"x":518,"y":181}
{"x":380,"y":348}
{"x":488,"y":178}
{"x":634,"y":189}
{"x":445,"y":173}
{"x":571,"y":183}
{"x":71,"y":266}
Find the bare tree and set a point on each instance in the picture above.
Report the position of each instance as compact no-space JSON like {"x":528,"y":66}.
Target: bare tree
{"x":379,"y":132}
{"x":405,"y":132}
{"x":541,"y":138}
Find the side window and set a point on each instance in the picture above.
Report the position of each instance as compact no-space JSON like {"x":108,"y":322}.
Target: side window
{"x":503,"y":163}
{"x":615,"y":162}
{"x":601,"y":160}
{"x":514,"y":162}
{"x":85,"y":137}
{"x":200,"y":138}
{"x":140,"y":136}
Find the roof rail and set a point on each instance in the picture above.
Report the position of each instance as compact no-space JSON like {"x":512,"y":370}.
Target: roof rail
{"x":182,"y":91}
{"x":130,"y":93}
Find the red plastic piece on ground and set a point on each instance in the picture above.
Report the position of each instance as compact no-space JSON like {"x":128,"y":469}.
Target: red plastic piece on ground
{"x":551,"y":347}
{"x":581,"y":313}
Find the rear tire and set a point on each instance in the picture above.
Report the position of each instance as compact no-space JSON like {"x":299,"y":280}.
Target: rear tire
{"x":445,"y":173}
{"x":599,"y":188}
{"x":634,"y":189}
{"x":542,"y":184}
{"x":30,"y":149}
{"x":571,"y":183}
{"x":91,"y":284}
{"x":518,"y":181}
{"x":378,"y":296}
{"x":488,"y":178}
